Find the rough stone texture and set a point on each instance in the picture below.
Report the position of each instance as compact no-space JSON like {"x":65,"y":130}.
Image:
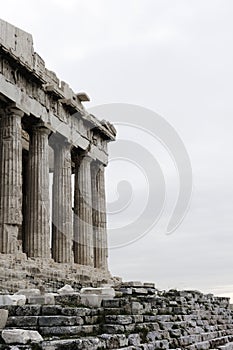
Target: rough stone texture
{"x":3,"y":318}
{"x":73,"y":300}
{"x":19,"y":336}
{"x":48,"y":273}
{"x":163,"y":320}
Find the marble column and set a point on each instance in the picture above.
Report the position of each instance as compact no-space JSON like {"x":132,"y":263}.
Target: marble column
{"x":99,"y":216}
{"x":83,"y":230}
{"x":10,"y":179}
{"x":37,"y":230}
{"x":62,"y":234}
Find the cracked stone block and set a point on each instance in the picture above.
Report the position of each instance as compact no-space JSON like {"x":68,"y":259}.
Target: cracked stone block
{"x":20,"y":336}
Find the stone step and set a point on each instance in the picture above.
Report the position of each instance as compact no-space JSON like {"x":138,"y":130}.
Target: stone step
{"x":50,"y":310}
{"x":25,"y":310}
{"x":113,"y":311}
{"x":22,"y":322}
{"x":111,"y":303}
{"x":228,"y":346}
{"x":134,"y":327}
{"x":211,"y":344}
{"x":19,"y":347}
{"x":51,"y":321}
{"x":68,"y":331}
{"x":104,"y":341}
{"x":90,"y":343}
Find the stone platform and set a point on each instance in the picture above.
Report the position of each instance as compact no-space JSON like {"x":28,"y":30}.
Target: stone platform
{"x":139,"y":317}
{"x":19,"y":272}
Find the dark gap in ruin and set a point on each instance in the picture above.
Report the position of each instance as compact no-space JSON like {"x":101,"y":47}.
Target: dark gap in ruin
{"x":24,"y":200}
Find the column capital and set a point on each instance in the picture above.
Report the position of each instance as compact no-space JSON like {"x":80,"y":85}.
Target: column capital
{"x":80,"y":157}
{"x":86,"y":158}
{"x":57,"y":141}
{"x":11,"y":111}
{"x":41,"y":128}
{"x":96,"y":164}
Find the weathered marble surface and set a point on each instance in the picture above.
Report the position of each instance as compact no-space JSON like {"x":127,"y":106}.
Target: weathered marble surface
{"x":45,"y":97}
{"x":37,"y":235}
{"x":62,"y":234}
{"x":37,"y":112}
{"x":20,"y":336}
{"x":3,"y":318}
{"x":10,"y":179}
{"x":83,"y":225}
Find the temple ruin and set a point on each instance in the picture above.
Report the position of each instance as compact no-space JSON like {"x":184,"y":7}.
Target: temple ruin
{"x":53,"y":235}
{"x":46,"y":133}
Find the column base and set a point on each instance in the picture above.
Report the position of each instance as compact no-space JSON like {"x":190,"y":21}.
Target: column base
{"x":12,"y":244}
{"x":19,"y":272}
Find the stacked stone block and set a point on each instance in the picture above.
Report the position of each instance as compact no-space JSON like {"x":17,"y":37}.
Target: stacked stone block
{"x":139,"y":317}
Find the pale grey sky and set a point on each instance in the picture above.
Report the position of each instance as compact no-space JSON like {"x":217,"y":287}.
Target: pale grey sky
{"x":175,"y":58}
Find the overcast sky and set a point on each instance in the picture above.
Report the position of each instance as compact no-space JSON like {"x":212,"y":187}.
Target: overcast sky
{"x":175,"y":58}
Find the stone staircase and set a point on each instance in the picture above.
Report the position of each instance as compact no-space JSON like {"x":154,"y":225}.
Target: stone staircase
{"x":139,"y":317}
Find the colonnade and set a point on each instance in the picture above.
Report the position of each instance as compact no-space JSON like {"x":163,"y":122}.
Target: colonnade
{"x":78,"y":234}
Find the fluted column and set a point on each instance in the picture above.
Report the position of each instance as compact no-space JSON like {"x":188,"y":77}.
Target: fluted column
{"x":10,"y":179}
{"x":62,"y":235}
{"x":37,"y":231}
{"x":83,"y":230}
{"x":99,"y":216}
